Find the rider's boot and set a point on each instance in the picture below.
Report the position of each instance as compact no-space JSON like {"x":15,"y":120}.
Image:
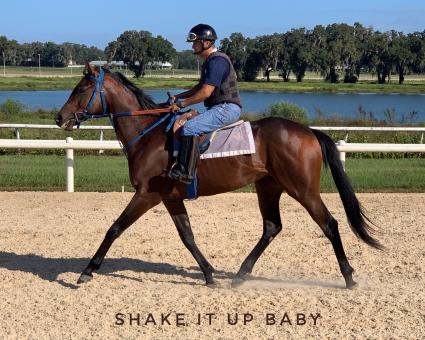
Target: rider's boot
{"x":187,"y":159}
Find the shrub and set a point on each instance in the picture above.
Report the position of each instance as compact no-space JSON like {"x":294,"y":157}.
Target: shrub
{"x":12,"y":108}
{"x":289,"y":111}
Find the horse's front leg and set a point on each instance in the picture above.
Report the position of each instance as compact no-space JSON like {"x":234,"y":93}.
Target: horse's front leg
{"x":180,"y":218}
{"x":138,"y":205}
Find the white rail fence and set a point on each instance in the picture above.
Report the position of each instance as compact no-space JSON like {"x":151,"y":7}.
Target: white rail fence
{"x":346,"y":129}
{"x":70,"y":145}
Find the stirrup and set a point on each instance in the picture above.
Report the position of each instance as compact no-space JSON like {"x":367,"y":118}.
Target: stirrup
{"x":180,"y":176}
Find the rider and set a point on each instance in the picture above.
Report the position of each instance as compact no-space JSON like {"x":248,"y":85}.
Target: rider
{"x":217,"y":88}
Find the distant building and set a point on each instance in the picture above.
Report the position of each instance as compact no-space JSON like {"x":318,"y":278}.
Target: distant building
{"x":161,"y":65}
{"x":98,"y":63}
{"x":115,"y":63}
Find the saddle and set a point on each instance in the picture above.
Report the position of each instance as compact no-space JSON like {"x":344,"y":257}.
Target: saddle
{"x":204,"y":139}
{"x":231,"y":140}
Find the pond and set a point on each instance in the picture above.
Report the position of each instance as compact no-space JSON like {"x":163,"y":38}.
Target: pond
{"x":257,"y":102}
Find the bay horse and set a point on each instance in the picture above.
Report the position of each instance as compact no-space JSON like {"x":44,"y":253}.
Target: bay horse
{"x":289,"y":158}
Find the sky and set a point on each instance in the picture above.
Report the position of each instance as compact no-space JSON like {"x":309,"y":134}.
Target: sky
{"x":96,"y":23}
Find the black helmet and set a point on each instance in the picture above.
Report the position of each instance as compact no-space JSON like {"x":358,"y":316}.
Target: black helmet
{"x":202,"y":32}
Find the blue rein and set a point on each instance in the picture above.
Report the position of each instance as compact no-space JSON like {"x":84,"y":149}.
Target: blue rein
{"x":85,"y":115}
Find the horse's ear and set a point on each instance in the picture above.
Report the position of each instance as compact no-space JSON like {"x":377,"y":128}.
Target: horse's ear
{"x":88,"y":70}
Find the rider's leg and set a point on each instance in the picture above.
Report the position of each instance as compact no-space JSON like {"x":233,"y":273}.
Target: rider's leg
{"x":212,"y":119}
{"x":187,"y":158}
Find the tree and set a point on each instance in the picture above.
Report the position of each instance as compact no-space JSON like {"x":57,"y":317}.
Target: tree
{"x":298,"y":44}
{"x":10,"y":48}
{"x":380,"y":59}
{"x":235,"y":48}
{"x":320,"y":60}
{"x":334,"y":51}
{"x":284,"y":60}
{"x":270,"y":48}
{"x":161,"y":50}
{"x":138,"y":49}
{"x":362,"y":37}
{"x":187,"y":60}
{"x":253,"y":60}
{"x":341,"y":51}
{"x":417,"y":47}
{"x":400,"y":54}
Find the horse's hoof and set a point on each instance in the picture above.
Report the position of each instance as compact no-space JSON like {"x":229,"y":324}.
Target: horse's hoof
{"x":212,"y":285}
{"x":237,"y":282}
{"x":352,"y":285}
{"x":84,"y":278}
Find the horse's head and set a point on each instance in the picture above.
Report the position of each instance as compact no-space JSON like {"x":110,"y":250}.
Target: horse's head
{"x":94,"y":91}
{"x":85,"y":98}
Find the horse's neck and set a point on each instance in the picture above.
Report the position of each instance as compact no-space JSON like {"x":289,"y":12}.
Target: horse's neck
{"x":128,"y":127}
{"x":122,"y":101}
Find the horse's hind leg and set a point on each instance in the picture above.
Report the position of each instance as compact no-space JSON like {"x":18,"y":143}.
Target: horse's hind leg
{"x":138,"y":205}
{"x":268,"y":192}
{"x":179,"y":215}
{"x":320,"y":214}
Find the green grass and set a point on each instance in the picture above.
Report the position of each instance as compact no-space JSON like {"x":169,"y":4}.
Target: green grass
{"x":33,"y":83}
{"x":322,"y":86}
{"x":382,"y":175}
{"x":47,"y":173}
{"x":110,"y":173}
{"x":308,"y":85}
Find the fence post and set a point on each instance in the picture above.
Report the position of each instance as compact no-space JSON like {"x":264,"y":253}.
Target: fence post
{"x":18,"y":136}
{"x":69,"y":167}
{"x":342,"y":154}
{"x":101,"y":139}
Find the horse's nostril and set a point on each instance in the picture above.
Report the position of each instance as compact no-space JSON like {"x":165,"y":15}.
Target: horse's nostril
{"x":58,"y":118}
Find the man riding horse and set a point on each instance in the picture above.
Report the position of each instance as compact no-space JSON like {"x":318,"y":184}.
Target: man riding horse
{"x":217,"y":88}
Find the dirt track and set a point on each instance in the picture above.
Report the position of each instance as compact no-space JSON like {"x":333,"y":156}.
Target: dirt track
{"x":48,"y":238}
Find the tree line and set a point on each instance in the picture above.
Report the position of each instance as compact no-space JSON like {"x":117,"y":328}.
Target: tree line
{"x":339,"y":52}
{"x":46,"y":54}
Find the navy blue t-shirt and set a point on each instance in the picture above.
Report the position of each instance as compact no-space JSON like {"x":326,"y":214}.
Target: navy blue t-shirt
{"x":216,"y":70}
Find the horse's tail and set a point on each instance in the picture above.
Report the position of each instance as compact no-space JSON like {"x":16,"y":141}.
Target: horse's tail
{"x":360,"y":224}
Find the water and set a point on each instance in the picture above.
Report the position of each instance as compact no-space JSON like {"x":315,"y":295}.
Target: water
{"x":256,"y":102}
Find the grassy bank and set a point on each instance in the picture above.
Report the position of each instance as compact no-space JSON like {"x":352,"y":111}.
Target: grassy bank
{"x":110,"y":173}
{"x":28,"y":83}
{"x":14,"y":112}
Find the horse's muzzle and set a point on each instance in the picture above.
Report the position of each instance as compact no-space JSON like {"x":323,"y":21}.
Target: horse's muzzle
{"x":65,"y":124}
{"x":68,"y":125}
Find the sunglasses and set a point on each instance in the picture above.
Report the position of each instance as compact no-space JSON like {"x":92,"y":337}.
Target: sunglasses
{"x":192,"y":37}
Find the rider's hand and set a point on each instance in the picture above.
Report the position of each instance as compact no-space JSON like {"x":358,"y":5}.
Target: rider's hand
{"x":174,"y":108}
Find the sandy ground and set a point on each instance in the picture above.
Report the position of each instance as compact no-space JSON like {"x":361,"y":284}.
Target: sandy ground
{"x":150,"y":286}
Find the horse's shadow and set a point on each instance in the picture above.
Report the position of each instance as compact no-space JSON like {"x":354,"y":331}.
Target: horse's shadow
{"x":50,"y":269}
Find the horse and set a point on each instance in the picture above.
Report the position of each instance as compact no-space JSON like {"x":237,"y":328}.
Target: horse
{"x":289,"y":158}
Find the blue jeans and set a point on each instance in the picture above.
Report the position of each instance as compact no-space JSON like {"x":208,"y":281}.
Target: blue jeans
{"x":216,"y":117}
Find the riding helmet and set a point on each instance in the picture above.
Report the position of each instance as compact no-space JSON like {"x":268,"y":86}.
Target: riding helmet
{"x":202,"y":32}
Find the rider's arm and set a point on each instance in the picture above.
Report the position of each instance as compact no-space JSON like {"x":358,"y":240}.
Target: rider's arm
{"x":199,"y":96}
{"x":188,"y":93}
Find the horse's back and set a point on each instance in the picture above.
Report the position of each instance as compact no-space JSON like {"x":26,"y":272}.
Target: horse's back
{"x":290,"y":151}
{"x":281,"y":132}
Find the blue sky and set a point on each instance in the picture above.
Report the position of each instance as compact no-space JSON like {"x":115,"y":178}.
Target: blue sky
{"x":95,"y":22}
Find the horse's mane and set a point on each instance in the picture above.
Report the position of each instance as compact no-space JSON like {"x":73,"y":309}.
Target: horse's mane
{"x":144,"y":100}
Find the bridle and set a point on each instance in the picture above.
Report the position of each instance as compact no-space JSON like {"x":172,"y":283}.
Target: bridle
{"x":83,"y":115}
